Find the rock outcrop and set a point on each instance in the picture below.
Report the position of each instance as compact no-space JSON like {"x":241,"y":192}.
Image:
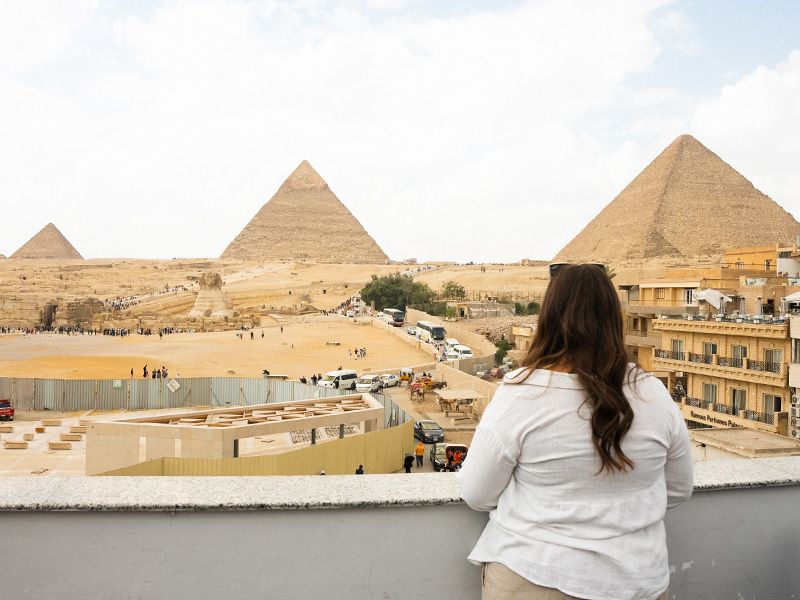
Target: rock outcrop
{"x":687,"y":202}
{"x":305,"y":221}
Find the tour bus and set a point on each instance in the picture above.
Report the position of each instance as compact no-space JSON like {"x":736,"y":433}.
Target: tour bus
{"x":396,"y":317}
{"x":430,"y":332}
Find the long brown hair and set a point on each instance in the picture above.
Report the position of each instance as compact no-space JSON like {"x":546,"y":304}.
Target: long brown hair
{"x":580,"y":328}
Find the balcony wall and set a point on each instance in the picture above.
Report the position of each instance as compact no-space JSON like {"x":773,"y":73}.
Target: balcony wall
{"x":378,"y":536}
{"x":773,"y":331}
{"x":715,"y":370}
{"x":637,"y":338}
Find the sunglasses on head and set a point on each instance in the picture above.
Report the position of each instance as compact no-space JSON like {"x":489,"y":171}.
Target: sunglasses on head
{"x":554,"y":268}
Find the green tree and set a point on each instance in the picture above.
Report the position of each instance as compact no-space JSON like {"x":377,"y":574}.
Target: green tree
{"x":454,"y":291}
{"x":503,"y":346}
{"x":395,"y":291}
{"x":421,"y":293}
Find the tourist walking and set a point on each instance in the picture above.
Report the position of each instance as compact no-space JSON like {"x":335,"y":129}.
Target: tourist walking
{"x":419,"y":452}
{"x":577,"y":458}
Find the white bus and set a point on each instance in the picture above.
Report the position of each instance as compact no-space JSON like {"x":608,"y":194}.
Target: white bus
{"x":396,"y":317}
{"x":430,"y":332}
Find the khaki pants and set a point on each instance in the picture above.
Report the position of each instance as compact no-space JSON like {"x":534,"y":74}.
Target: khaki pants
{"x":501,"y":583}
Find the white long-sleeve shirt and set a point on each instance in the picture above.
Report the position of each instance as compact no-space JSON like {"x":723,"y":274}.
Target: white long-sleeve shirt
{"x":553,"y":519}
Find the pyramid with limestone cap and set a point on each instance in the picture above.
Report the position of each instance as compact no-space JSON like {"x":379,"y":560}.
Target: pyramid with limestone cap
{"x":48,"y":243}
{"x":687,"y":202}
{"x":305,"y":221}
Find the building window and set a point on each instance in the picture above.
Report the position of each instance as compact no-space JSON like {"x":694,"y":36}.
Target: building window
{"x":738,"y":400}
{"x":660,"y":293}
{"x":710,"y":392}
{"x":772,"y":404}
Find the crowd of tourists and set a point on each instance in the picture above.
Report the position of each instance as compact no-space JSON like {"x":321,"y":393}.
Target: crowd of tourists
{"x":124,"y":303}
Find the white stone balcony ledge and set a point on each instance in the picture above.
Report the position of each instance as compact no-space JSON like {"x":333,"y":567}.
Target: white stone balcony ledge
{"x":373,"y":536}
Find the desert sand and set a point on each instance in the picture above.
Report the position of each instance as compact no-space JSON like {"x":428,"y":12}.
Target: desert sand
{"x":302,"y":349}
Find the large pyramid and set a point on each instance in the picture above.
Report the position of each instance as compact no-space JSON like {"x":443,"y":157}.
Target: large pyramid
{"x":687,"y":202}
{"x":305,"y":220}
{"x":48,"y":243}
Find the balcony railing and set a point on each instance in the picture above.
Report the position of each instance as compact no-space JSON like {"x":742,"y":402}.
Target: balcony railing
{"x":670,"y":354}
{"x":744,"y":364}
{"x":751,"y":319}
{"x":706,"y":359}
{"x":726,"y":409}
{"x":754,"y":415}
{"x":725,"y":361}
{"x":767,"y":367}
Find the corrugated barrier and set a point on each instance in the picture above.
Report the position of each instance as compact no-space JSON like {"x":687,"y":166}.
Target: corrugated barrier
{"x":70,"y":395}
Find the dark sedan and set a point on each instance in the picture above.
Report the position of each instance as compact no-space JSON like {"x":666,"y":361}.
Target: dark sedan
{"x":428,"y":432}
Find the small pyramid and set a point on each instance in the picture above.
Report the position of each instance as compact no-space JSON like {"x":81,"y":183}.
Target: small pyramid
{"x":687,"y":202}
{"x":48,"y":243}
{"x":305,"y":221}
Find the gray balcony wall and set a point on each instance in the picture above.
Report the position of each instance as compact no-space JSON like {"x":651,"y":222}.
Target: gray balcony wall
{"x":385,"y":537}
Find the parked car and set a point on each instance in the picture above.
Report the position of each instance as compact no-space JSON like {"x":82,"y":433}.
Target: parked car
{"x":428,"y":432}
{"x":6,"y":410}
{"x":369,"y":383}
{"x":441,"y":454}
{"x":390,"y":380}
{"x":438,"y":457}
{"x":411,"y":330}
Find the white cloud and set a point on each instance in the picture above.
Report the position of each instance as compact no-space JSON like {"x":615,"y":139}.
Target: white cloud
{"x":754,"y":124}
{"x":459,"y":137}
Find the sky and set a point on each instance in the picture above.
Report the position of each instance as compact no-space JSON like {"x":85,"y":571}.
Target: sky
{"x":466,"y":131}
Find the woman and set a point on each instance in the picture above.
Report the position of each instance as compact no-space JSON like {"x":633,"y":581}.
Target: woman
{"x":577,"y":457}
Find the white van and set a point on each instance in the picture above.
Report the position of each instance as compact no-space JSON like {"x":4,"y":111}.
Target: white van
{"x":369,"y":383}
{"x":451,"y":355}
{"x":462,"y":351}
{"x":451,"y":343}
{"x":343,"y":380}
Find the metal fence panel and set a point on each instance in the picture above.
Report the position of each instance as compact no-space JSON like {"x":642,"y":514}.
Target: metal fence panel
{"x":143,"y":394}
{"x":256,"y":391}
{"x":45,"y":394}
{"x":113,"y":394}
{"x":78,"y":394}
{"x":18,"y":391}
{"x":225,"y":391}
